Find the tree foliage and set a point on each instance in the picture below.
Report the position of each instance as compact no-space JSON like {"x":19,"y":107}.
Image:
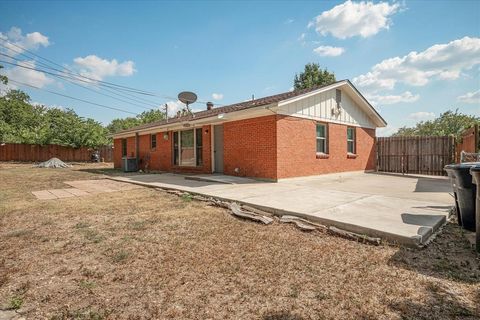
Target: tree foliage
{"x":3,"y":79}
{"x":448,"y":123}
{"x":129,"y":122}
{"x":313,"y":76}
{"x":24,"y":122}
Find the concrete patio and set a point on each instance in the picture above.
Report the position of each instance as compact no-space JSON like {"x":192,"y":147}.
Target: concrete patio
{"x":401,"y":209}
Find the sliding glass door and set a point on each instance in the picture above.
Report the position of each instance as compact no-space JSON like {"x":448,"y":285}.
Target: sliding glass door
{"x":187,"y":147}
{"x":187,"y":150}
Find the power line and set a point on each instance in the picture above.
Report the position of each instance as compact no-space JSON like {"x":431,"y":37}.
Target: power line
{"x":90,"y":89}
{"x":71,"y":71}
{"x":90,"y":80}
{"x":73,"y":80}
{"x":74,"y":77}
{"x":70,"y":97}
{"x":77,"y":78}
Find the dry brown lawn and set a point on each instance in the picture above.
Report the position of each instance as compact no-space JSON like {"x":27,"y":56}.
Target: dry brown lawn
{"x":147,"y":254}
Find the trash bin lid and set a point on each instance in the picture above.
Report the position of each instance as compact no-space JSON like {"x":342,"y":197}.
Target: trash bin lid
{"x":475,"y":172}
{"x":476,"y":168}
{"x":464,"y":165}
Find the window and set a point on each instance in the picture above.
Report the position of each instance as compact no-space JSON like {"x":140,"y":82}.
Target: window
{"x":187,"y":147}
{"x":322,"y":143}
{"x":175,"y":148}
{"x":198,"y":146}
{"x":124,"y":147}
{"x":153,"y":141}
{"x":351,"y":140}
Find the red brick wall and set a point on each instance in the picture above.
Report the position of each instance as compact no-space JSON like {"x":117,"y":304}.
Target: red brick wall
{"x":161,"y":156}
{"x":296,"y":154}
{"x":271,"y":147}
{"x":250,"y":145}
{"x":117,"y":153}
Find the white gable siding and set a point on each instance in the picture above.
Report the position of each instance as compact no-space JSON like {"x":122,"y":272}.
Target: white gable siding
{"x":320,"y":105}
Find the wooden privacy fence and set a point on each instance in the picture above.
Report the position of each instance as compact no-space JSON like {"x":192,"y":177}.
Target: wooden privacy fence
{"x":469,"y":144}
{"x":418,"y":155}
{"x":33,"y":152}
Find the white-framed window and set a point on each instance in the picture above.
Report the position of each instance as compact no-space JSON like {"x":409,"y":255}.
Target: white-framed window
{"x":322,"y":138}
{"x":351,"y":136}
{"x":187,"y":147}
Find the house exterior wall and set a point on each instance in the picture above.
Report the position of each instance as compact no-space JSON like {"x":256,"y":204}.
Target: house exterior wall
{"x":269,"y":147}
{"x":296,"y":149}
{"x":161,"y":156}
{"x":117,"y":153}
{"x":250,"y":145}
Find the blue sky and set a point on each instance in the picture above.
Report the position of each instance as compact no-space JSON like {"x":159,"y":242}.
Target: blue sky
{"x":412,"y":59}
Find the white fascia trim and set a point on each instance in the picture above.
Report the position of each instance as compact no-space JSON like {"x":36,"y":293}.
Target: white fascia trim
{"x":324,"y":120}
{"x":230,"y":116}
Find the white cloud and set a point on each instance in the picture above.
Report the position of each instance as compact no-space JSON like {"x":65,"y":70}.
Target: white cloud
{"x":30,"y":41}
{"x":217,"y":96}
{"x":174,"y":106}
{"x":406,"y":97}
{"x":289,"y":21}
{"x":302,"y":39}
{"x":421,"y":115}
{"x":386,"y":131}
{"x":328,"y":51}
{"x":351,"y":19}
{"x":470,"y":97}
{"x":440,"y":61}
{"x":28,"y":76}
{"x":268,"y":89}
{"x":97,"y":68}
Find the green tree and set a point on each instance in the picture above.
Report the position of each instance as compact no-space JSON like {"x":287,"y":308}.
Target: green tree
{"x":126,"y":123}
{"x":313,"y":76}
{"x":122,"y":124}
{"x":151,"y":116}
{"x":23,"y":122}
{"x":448,"y":123}
{"x":3,"y":79}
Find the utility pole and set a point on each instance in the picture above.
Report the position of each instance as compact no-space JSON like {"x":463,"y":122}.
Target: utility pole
{"x":166,"y":112}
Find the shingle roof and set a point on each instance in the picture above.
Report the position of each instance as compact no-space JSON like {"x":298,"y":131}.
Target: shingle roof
{"x":226,"y":109}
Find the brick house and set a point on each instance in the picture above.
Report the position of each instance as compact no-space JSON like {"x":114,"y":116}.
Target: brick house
{"x":299,"y":133}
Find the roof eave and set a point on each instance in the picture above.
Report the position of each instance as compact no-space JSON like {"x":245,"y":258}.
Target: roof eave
{"x":215,"y":119}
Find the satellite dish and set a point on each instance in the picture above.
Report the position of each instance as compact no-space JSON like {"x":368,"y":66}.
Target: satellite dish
{"x":187,"y":97}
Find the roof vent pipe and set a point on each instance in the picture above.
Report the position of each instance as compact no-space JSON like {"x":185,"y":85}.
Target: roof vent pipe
{"x":209,"y":105}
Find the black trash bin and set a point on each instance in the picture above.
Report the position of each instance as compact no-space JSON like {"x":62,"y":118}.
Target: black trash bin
{"x":475,"y":172}
{"x":449,"y":169}
{"x":466,"y":192}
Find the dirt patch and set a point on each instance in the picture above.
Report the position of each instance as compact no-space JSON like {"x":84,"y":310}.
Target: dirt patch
{"x":144,"y":253}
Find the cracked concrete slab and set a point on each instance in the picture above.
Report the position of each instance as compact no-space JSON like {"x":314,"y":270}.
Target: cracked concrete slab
{"x":401,"y":209}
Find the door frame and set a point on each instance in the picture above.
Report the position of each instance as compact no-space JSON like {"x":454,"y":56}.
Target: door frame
{"x":212,"y":129}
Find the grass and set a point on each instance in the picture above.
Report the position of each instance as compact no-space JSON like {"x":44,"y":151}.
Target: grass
{"x":148,"y":254}
{"x":15,"y":303}
{"x":120,"y":256}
